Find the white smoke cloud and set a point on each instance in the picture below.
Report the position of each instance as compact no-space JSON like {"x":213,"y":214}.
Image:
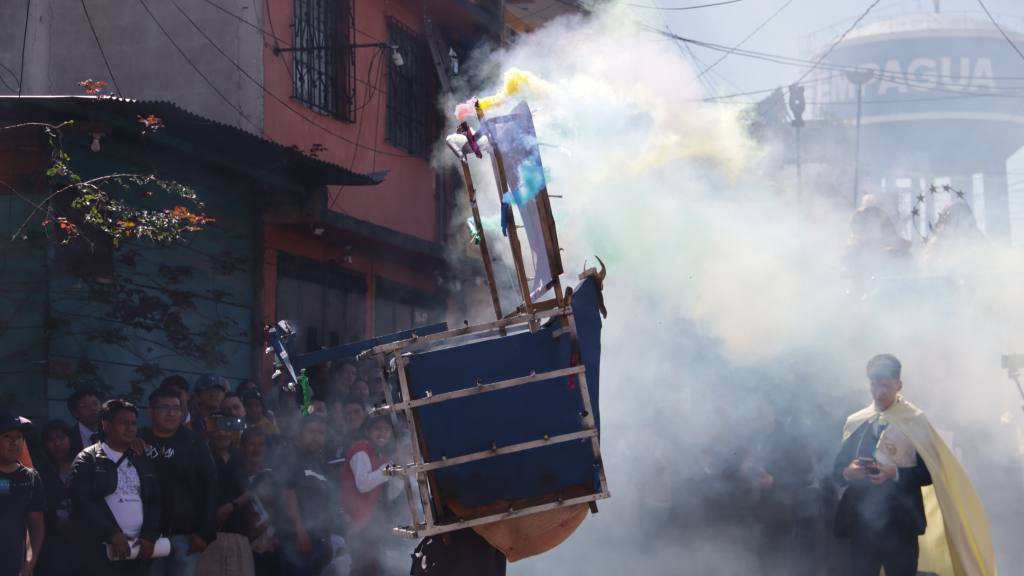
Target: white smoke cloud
{"x":725,"y":292}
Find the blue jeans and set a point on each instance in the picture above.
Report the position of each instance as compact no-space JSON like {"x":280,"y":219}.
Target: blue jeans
{"x":178,"y":562}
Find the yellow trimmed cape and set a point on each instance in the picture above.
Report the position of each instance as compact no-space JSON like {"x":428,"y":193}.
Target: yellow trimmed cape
{"x":958,"y":541}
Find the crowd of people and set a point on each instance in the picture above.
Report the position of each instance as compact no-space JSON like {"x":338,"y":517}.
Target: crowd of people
{"x":222,"y":480}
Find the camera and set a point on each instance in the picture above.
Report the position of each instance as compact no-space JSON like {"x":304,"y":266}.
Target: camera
{"x":1013,"y":362}
{"x":229,"y":423}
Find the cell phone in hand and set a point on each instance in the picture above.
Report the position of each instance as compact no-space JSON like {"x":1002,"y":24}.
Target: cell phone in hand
{"x":869,"y":464}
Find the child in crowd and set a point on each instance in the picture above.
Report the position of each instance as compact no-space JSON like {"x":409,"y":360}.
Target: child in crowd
{"x":367,"y":493}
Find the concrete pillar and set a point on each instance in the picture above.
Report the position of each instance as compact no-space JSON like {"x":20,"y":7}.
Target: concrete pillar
{"x":997,"y":203}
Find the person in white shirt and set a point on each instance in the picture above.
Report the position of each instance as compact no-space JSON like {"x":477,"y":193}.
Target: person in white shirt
{"x":115,"y":498}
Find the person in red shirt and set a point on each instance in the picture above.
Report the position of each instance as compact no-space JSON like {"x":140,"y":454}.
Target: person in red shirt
{"x":366,"y":491}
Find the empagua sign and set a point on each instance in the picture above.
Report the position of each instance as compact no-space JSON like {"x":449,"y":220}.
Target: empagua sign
{"x":896,"y":77}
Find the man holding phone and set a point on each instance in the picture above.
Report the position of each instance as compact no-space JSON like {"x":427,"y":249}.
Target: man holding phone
{"x":888,"y":460}
{"x":881,"y":511}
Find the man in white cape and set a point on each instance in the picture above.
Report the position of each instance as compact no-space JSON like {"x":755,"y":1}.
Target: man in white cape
{"x":908,"y":505}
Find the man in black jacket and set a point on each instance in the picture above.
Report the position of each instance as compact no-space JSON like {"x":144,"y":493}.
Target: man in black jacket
{"x":188,"y":484}
{"x":84,"y":406}
{"x":881,"y":511}
{"x":115,"y":498}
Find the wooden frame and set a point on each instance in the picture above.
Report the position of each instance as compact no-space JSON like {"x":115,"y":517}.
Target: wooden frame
{"x":421,"y":467}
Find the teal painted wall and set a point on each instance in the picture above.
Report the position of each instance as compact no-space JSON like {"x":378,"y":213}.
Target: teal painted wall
{"x":152,"y":311}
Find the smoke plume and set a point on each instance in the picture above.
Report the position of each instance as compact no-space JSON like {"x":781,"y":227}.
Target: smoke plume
{"x":732,"y":309}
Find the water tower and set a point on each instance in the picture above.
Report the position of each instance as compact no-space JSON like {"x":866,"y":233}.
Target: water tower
{"x":942,"y":103}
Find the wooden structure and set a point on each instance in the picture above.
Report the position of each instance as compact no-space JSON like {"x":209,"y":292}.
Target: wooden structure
{"x":544,"y":318}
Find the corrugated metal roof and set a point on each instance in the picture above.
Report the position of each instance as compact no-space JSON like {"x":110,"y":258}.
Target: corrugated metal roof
{"x":203,"y":136}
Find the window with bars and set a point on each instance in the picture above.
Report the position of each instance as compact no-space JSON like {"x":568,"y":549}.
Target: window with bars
{"x":323,"y":60}
{"x":412,"y":120}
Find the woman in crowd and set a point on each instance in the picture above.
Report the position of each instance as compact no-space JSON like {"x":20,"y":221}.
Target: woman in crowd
{"x":55,"y":470}
{"x":230,"y":553}
{"x":367,"y":493}
{"x":258,"y":500}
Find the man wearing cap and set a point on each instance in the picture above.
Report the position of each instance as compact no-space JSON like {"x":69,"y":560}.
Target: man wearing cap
{"x":207,"y":395}
{"x":894,"y":467}
{"x":22,"y":501}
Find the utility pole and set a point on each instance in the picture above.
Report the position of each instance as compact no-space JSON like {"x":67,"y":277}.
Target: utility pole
{"x":859,"y":77}
{"x":797,"y":105}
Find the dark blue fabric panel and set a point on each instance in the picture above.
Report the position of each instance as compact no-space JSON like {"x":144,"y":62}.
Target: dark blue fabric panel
{"x":510,"y":416}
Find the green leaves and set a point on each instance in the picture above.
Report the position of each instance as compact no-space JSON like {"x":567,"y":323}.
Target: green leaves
{"x":122,"y":205}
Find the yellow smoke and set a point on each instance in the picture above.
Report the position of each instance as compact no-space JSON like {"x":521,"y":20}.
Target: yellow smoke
{"x":517,"y":83}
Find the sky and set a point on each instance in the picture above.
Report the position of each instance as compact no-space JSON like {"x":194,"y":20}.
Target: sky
{"x":801,"y":29}
{"x":801,"y":26}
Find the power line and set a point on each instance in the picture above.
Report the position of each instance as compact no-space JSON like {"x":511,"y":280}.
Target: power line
{"x":100,"y":46}
{"x":196,"y":68}
{"x":748,"y":37}
{"x":359,"y":130}
{"x":675,"y":8}
{"x":893,"y":78}
{"x":681,"y":46}
{"x":1000,"y":28}
{"x":838,"y":40}
{"x":250,"y":24}
{"x":263,"y":87}
{"x":13,"y":77}
{"x":24,"y":39}
{"x":273,"y":33}
{"x":709,"y":87}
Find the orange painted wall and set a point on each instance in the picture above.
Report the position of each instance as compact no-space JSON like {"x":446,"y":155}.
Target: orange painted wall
{"x":406,"y":200}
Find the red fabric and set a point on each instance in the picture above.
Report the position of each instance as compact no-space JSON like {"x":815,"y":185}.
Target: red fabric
{"x":25,"y":458}
{"x":359,"y":506}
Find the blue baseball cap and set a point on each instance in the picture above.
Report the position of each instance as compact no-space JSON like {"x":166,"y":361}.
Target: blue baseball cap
{"x":207,"y":381}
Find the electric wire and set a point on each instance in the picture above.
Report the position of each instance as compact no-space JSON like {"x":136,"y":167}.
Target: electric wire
{"x":677,"y":8}
{"x":196,"y":68}
{"x":4,"y":80}
{"x":24,"y":39}
{"x":99,"y":45}
{"x":273,"y":33}
{"x":359,"y":129}
{"x":1000,"y":28}
{"x":709,"y":87}
{"x":266,"y":90}
{"x":893,"y":78}
{"x":839,"y":40}
{"x":256,"y":27}
{"x":745,"y":39}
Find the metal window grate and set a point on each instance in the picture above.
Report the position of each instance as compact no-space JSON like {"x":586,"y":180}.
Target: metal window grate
{"x":323,"y":60}
{"x":411,"y":117}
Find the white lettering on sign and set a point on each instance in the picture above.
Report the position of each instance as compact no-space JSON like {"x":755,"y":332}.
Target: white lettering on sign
{"x":895,"y":78}
{"x":892,"y":79}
